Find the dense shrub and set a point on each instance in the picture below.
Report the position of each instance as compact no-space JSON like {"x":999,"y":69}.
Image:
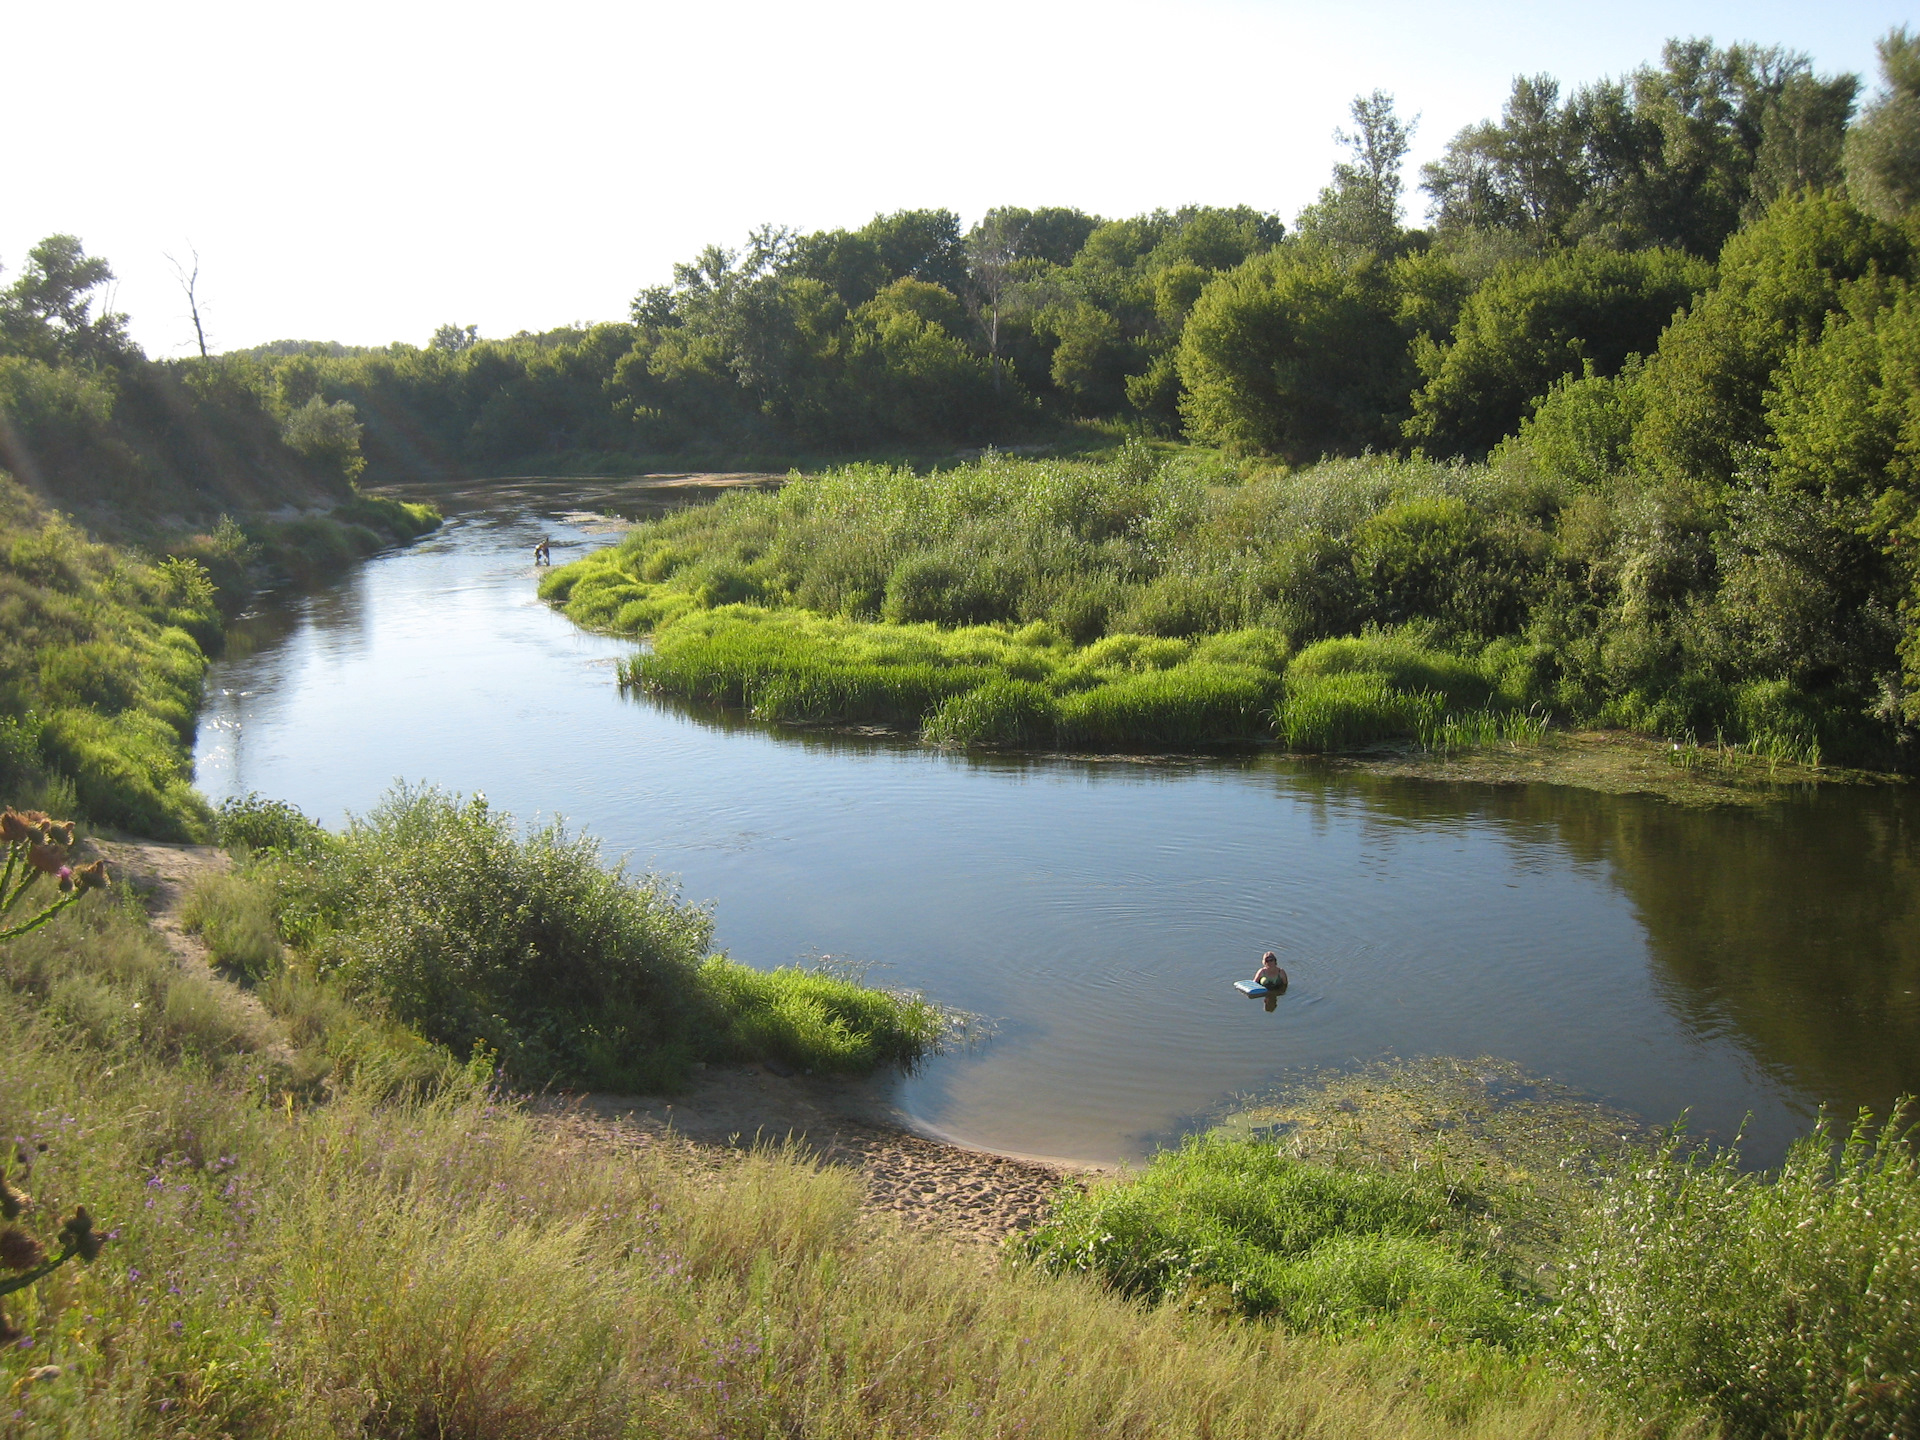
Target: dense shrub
{"x":439,"y":910}
{"x":1785,"y":1304}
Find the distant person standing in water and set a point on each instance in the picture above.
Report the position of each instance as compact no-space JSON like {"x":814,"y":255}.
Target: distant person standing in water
{"x":543,"y":552}
{"x":1270,"y":974}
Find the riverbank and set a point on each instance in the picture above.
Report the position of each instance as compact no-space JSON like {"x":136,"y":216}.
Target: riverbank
{"x":629,"y":1272}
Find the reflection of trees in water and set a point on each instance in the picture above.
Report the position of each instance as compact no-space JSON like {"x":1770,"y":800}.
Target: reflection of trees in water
{"x":1792,"y":928}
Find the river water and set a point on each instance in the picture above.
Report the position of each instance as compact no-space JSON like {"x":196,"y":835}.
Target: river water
{"x":1728,"y":963}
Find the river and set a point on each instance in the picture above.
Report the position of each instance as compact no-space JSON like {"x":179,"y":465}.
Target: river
{"x":1729,"y":963}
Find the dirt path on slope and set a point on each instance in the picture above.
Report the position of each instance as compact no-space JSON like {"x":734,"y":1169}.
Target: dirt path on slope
{"x":160,"y":874}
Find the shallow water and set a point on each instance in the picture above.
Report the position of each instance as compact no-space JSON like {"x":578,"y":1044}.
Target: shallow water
{"x":1725,"y":963}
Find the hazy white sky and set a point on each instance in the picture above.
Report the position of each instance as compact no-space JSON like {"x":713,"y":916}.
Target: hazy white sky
{"x":366,"y":170}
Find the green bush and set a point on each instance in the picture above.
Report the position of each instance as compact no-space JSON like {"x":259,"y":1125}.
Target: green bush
{"x":1316,"y":1248}
{"x":1779,"y":1305}
{"x":446,"y":918}
{"x":253,"y":822}
{"x":440,"y":911}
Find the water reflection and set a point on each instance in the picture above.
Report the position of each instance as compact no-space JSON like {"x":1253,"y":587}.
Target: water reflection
{"x":1099,"y":909}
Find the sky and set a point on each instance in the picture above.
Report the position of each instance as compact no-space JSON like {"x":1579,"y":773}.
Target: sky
{"x":371,"y":169}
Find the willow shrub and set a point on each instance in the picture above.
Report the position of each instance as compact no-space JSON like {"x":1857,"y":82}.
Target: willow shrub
{"x":442,"y":915}
{"x":464,"y":929}
{"x":1782,"y":1305}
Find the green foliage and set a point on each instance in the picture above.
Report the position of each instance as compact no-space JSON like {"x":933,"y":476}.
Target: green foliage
{"x":1678,"y":155}
{"x":252,"y":822}
{"x":1777,"y":1304}
{"x":441,"y":915}
{"x":1883,"y":150}
{"x":1535,"y":323}
{"x":1352,"y":710}
{"x":439,"y":911}
{"x":1296,"y":353}
{"x":1317,"y":1249}
{"x":99,"y":680}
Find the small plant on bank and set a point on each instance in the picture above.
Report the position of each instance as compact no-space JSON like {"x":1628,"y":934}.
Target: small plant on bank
{"x":39,"y":847}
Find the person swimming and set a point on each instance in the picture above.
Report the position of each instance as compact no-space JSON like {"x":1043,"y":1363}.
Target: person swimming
{"x":1270,"y":974}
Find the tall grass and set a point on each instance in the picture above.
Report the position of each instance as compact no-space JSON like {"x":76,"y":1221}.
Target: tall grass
{"x":1350,"y":710}
{"x":974,"y":685}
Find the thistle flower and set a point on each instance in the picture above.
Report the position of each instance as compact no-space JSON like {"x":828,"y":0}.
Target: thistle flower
{"x":15,"y":829}
{"x":66,"y":879}
{"x":92,"y":877}
{"x":78,"y":1233}
{"x":60,"y":832}
{"x":12,"y":1201}
{"x":19,"y":1250}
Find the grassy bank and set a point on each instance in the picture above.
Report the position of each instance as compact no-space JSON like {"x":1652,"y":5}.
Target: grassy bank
{"x":102,"y":649}
{"x":429,"y":1264}
{"x":1156,"y":599}
{"x":319,"y":1223}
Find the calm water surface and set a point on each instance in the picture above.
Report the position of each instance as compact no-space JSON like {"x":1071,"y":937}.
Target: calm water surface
{"x":1730,"y":963}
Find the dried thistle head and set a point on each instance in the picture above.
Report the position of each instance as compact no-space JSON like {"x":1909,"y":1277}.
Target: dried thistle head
{"x":92,"y":877}
{"x":19,"y":1250}
{"x":15,"y":828}
{"x":48,"y":859}
{"x":12,"y":1201}
{"x":78,"y":1233}
{"x":60,"y":832}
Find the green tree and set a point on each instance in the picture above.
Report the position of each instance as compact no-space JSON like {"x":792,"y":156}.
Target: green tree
{"x":1360,"y":208}
{"x":49,"y":311}
{"x":1779,"y":279}
{"x":1535,"y":322}
{"x":1883,"y":150}
{"x":1296,"y":353}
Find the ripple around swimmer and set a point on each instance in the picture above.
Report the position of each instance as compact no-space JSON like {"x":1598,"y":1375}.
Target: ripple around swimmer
{"x":1098,"y":909}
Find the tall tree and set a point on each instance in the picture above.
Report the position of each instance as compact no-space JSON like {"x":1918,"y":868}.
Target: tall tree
{"x":1360,"y":208}
{"x":48,"y":312}
{"x":1883,"y":151}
